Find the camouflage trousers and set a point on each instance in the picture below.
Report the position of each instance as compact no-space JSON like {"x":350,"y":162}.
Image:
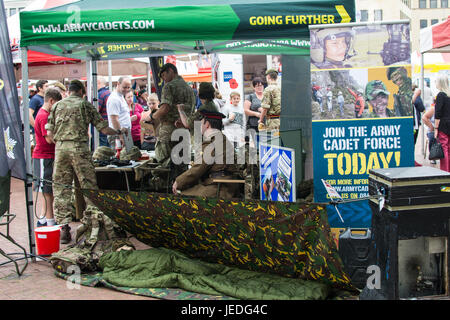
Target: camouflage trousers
{"x":73,"y":161}
{"x":164,"y":145}
{"x":273,"y":124}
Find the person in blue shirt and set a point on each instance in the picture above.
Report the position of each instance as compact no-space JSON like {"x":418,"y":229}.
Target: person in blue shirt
{"x":37,"y":101}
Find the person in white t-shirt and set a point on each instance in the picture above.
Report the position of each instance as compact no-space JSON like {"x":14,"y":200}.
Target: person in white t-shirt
{"x":234,"y":124}
{"x":117,"y":109}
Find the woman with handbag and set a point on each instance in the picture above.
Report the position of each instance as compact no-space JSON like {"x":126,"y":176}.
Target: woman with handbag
{"x":442,"y":120}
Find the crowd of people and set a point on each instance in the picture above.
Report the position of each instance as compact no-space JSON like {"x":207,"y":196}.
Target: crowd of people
{"x":60,"y":118}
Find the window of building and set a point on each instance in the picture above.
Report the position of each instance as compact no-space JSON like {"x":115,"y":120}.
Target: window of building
{"x":433,"y":4}
{"x":364,"y":15}
{"x":423,"y":23}
{"x":444,"y":3}
{"x":378,"y":15}
{"x":12,"y":11}
{"x":434,"y":21}
{"x":20,"y":9}
{"x":422,"y":4}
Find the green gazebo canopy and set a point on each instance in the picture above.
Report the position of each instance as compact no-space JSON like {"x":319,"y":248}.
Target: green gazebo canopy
{"x":113,"y":29}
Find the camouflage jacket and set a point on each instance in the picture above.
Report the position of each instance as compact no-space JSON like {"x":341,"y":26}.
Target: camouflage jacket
{"x":272,"y":99}
{"x":403,"y":102}
{"x":70,"y":118}
{"x":213,"y":160}
{"x":176,"y":92}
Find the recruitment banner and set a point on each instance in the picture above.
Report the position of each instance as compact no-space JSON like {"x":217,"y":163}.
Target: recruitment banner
{"x":277,"y":173}
{"x":361,"y":110}
{"x":12,"y":157}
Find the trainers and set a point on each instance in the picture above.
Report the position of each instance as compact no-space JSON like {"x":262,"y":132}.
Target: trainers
{"x":39,"y":224}
{"x":65,"y":234}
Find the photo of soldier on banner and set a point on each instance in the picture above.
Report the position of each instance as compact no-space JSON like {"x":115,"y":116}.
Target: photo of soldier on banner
{"x":360,"y":46}
{"x":362,"y":93}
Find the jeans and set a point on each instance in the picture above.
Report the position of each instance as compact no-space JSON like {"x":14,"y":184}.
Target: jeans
{"x":103,"y":140}
{"x":431,"y":139}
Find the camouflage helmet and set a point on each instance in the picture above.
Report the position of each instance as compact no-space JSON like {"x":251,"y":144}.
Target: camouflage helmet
{"x":319,"y":37}
{"x":133,"y":154}
{"x":103,"y":153}
{"x":375,"y":87}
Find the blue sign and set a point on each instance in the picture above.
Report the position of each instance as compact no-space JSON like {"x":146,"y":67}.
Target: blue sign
{"x":277,"y":173}
{"x":227,"y":76}
{"x":345,"y":151}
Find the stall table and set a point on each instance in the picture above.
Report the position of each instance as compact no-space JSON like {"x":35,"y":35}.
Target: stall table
{"x":129,"y":178}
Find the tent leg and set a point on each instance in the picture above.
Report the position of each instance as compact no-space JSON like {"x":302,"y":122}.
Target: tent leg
{"x":110,"y":74}
{"x":27,"y":145}
{"x":95,"y":100}
{"x":422,"y":88}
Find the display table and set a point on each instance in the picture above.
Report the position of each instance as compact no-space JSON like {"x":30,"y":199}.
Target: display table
{"x":129,"y":178}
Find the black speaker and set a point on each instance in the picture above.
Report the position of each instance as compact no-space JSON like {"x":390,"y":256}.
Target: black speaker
{"x":355,"y":250}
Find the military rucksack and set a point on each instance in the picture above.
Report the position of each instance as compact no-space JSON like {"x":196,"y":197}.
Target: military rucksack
{"x":97,"y":235}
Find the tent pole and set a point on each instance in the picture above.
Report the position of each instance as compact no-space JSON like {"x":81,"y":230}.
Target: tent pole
{"x":110,"y":74}
{"x":27,"y":146}
{"x":95,"y":100}
{"x":149,"y":79}
{"x":89,"y":92}
{"x":422,"y":88}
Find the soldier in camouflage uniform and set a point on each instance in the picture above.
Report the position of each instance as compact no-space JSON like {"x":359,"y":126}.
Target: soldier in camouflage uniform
{"x":217,"y":162}
{"x":68,"y":124}
{"x":271,"y":103}
{"x":403,"y":106}
{"x":377,"y":96}
{"x":175,"y":91}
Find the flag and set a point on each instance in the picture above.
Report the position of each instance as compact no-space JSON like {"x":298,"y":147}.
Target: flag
{"x":331,"y":191}
{"x":12,"y":156}
{"x":156,"y":64}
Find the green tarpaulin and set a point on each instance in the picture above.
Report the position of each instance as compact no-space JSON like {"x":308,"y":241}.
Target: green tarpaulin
{"x":165,"y":268}
{"x":153,"y":28}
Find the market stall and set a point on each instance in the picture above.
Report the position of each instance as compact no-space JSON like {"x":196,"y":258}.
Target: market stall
{"x":434,"y":39}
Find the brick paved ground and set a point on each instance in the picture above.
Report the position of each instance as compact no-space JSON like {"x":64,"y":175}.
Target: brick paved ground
{"x":38,"y":281}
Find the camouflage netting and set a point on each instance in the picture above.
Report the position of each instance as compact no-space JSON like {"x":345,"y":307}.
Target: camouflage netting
{"x":288,"y":239}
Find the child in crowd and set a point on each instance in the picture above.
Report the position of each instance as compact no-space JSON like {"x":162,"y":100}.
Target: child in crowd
{"x":233,"y":123}
{"x":149,"y":131}
{"x":44,"y":157}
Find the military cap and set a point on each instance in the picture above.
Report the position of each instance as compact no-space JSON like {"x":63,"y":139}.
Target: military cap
{"x":212,"y":115}
{"x":133,"y":154}
{"x":59,"y":85}
{"x":103,"y":153}
{"x":375,"y":87}
{"x":270,"y":71}
{"x":166,"y":67}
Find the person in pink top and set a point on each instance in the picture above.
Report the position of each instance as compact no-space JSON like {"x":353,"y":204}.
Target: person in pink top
{"x":44,"y":156}
{"x":135,"y":114}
